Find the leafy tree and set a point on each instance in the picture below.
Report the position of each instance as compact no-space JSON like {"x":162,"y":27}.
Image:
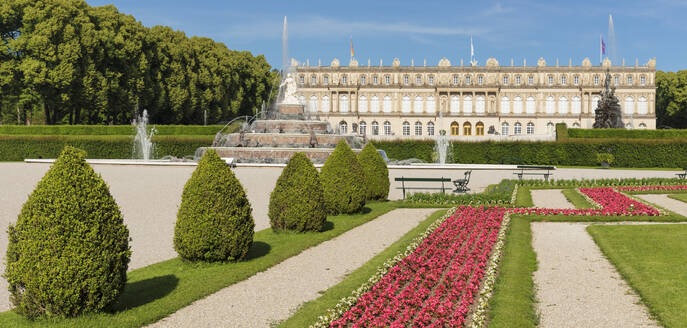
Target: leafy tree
{"x":671,"y":99}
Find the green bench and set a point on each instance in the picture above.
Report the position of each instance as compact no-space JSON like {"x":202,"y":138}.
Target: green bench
{"x":683,"y":174}
{"x":524,"y":170}
{"x":403,"y":181}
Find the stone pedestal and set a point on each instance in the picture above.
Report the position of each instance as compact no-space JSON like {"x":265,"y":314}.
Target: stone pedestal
{"x":291,"y":111}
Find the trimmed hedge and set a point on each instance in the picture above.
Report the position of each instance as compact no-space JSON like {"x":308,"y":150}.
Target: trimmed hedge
{"x":500,"y":194}
{"x":18,"y":148}
{"x":69,"y":250}
{"x":206,"y":130}
{"x":405,"y":149}
{"x":297,"y":201}
{"x":561,"y":132}
{"x":215,"y":221}
{"x":343,"y":181}
{"x":628,"y":134}
{"x":376,"y":172}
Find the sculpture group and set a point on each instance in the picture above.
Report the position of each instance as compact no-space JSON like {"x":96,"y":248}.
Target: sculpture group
{"x":608,"y":113}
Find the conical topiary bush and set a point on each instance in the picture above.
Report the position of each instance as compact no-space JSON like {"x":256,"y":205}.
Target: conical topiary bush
{"x":69,"y":250}
{"x":297,"y":201}
{"x":343,"y":181}
{"x":376,"y":172}
{"x":215,"y":221}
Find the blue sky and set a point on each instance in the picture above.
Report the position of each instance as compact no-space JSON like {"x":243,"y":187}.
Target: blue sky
{"x":430,"y":30}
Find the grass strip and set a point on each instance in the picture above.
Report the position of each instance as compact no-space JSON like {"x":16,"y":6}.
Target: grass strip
{"x":680,"y":197}
{"x":158,"y":290}
{"x":651,"y":259}
{"x":523,"y":197}
{"x":309,"y":312}
{"x":575,"y":198}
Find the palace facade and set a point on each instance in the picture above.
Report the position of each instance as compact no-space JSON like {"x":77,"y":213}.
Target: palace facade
{"x":471,"y":102}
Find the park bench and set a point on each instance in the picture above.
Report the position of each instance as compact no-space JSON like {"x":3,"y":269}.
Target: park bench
{"x":683,"y":174}
{"x":524,"y":168}
{"x":403,"y":181}
{"x":462,"y":184}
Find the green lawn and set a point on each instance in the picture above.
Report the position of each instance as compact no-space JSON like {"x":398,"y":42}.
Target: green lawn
{"x":680,"y":197}
{"x":310,"y":311}
{"x":575,"y":198}
{"x":652,"y":259}
{"x":155,"y":291}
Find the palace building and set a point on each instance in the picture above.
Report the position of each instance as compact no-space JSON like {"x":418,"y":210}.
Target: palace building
{"x":471,"y":102}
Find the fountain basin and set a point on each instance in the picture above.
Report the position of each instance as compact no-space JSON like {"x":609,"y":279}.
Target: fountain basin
{"x":290,"y":126}
{"x":281,"y":140}
{"x":269,"y":154}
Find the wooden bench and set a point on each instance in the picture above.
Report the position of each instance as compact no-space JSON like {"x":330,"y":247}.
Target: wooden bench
{"x":683,"y":174}
{"x":524,"y":168}
{"x":462,"y":184}
{"x":404,"y":180}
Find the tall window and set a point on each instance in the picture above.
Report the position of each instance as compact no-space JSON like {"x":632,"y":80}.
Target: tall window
{"x":418,"y":79}
{"x":517,"y":80}
{"x":596,"y":80}
{"x":550,"y":105}
{"x":326,"y":80}
{"x":344,"y":79}
{"x":629,"y":80}
{"x":549,"y":128}
{"x":430,"y":105}
{"x":405,"y":79}
{"x":375,"y":80}
{"x":405,"y":104}
{"x":325,"y":104}
{"x":550,"y":80}
{"x":629,"y":105}
{"x":455,"y":104}
{"x":517,"y":105}
{"x":505,"y":105}
{"x":467,"y":80}
{"x":343,"y":127}
{"x":576,"y":80}
{"x":362,"y":80}
{"x":505,"y":80}
{"x":455,"y":79}
{"x":406,"y":128}
{"x":387,"y":79}
{"x":517,"y":128}
{"x":479,"y":106}
{"x":530,"y":80}
{"x":313,"y":79}
{"x":417,"y":106}
{"x":467,"y":129}
{"x":467,"y":104}
{"x":563,"y":105}
{"x":387,"y":104}
{"x":374,"y":104}
{"x":431,"y":79}
{"x":504,"y":129}
{"x":362,"y":104}
{"x":564,"y":80}
{"x":576,"y":105}
{"x":530,"y":128}
{"x":418,"y":128}
{"x":313,"y":104}
{"x":642,"y":108}
{"x":343,"y":104}
{"x":616,"y":80}
{"x":430,"y":129}
{"x":363,"y":128}
{"x":642,"y":80}
{"x":480,"y":79}
{"x":301,"y":79}
{"x":531,"y":106}
{"x":455,"y":129}
{"x":479,"y":129}
{"x":595,"y":103}
{"x":375,"y":128}
{"x":387,"y":128}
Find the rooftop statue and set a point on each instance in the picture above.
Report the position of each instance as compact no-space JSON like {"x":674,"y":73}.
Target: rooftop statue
{"x":608,"y":113}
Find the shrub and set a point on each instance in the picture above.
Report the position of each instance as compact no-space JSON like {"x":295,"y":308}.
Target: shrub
{"x":69,"y":250}
{"x":376,"y":172}
{"x":214,"y":222}
{"x":629,"y":134}
{"x":297,"y":201}
{"x":605,"y":157}
{"x":405,"y":149}
{"x":561,"y":132}
{"x":343,"y":181}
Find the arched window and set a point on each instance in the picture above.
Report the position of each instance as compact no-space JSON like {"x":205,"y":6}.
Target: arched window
{"x":517,"y":128}
{"x":417,"y":106}
{"x":430,"y":105}
{"x":576,"y":125}
{"x":418,"y":128}
{"x":375,"y":128}
{"x":628,"y":126}
{"x":549,"y":128}
{"x":362,"y":104}
{"x":629,"y":105}
{"x":550,"y":105}
{"x":455,"y":104}
{"x":387,"y":128}
{"x":430,"y":129}
{"x":595,"y":103}
{"x":642,"y":126}
{"x":405,"y":104}
{"x":531,"y":107}
{"x":467,"y":105}
{"x":313,"y":104}
{"x":455,"y":129}
{"x":467,"y":129}
{"x":563,"y":105}
{"x":363,"y":128}
{"x":406,"y":128}
{"x":479,"y":106}
{"x":374,"y":104}
{"x":517,"y":105}
{"x":343,"y":127}
{"x":325,"y":104}
{"x":387,"y":104}
{"x":504,"y":129}
{"x":530,"y":128}
{"x":576,"y":105}
{"x":505,"y":105}
{"x":642,"y":108}
{"x":479,"y":129}
{"x":343,"y":104}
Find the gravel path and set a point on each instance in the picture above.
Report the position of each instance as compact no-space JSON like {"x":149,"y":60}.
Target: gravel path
{"x":576,"y":285}
{"x":664,"y":201}
{"x":550,"y":198}
{"x":273,"y":295}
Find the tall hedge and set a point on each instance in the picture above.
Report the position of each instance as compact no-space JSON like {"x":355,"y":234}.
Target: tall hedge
{"x":297,"y":201}
{"x":376,"y":172}
{"x":215,"y":221}
{"x":629,"y":134}
{"x":69,"y":250}
{"x":343,"y":181}
{"x":405,"y":149}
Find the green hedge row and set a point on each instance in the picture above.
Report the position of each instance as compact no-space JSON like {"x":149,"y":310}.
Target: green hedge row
{"x":18,"y":148}
{"x":209,"y":130}
{"x":405,"y":149}
{"x":499,"y":194}
{"x":627,"y":134}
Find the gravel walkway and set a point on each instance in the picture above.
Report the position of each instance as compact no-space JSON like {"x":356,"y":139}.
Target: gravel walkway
{"x":576,"y":285}
{"x":664,"y":201}
{"x":550,"y":198}
{"x":274,"y":295}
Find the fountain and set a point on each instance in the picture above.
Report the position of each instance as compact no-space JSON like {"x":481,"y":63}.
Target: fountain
{"x":608,"y":113}
{"x":143,"y":142}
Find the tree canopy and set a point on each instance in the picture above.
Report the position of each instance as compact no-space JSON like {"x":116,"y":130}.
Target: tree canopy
{"x":65,"y":62}
{"x":671,"y":99}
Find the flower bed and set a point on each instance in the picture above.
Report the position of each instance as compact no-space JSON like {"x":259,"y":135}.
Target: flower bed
{"x":653,"y":188}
